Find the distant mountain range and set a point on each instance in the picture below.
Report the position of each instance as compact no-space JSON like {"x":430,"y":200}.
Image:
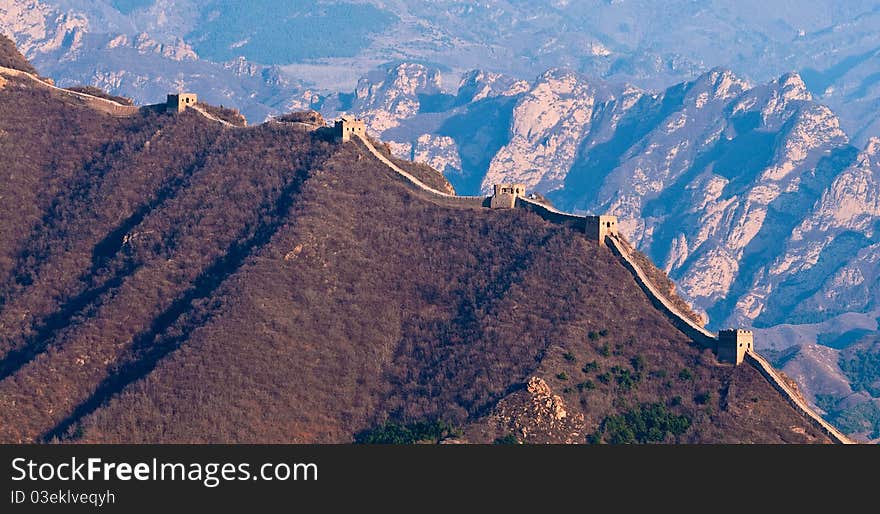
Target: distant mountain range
{"x":271,"y":56}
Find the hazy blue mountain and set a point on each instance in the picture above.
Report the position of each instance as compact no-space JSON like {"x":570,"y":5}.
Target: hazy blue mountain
{"x":330,"y":44}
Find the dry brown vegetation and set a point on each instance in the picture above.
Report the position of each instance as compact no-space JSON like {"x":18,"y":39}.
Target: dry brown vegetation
{"x":100,"y":93}
{"x":428,"y":175}
{"x":226,"y":114}
{"x":164,"y":279}
{"x":309,"y":117}
{"x":10,"y":57}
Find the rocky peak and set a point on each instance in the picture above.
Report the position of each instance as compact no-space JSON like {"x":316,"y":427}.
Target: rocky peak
{"x":386,"y":96}
{"x":793,"y":87}
{"x":241,"y":67}
{"x":548,"y":123}
{"x":477,"y":85}
{"x":275,"y":76}
{"x":872,"y":148}
{"x":38,"y":27}
{"x":716,"y":84}
{"x":382,"y":88}
{"x":177,"y":49}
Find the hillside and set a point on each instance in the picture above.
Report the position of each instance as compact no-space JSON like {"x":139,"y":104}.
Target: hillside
{"x":10,"y":57}
{"x":166,"y":278}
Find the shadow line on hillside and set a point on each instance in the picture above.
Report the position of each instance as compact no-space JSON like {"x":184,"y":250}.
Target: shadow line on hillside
{"x":102,"y":255}
{"x":20,"y":357}
{"x":465,"y":321}
{"x":149,"y":348}
{"x":95,"y":169}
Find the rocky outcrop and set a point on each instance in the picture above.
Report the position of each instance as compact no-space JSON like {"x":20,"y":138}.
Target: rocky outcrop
{"x":39,"y":27}
{"x":536,"y":415}
{"x":477,"y":85}
{"x":836,"y":244}
{"x":176,"y":50}
{"x":141,"y":54}
{"x":711,"y":178}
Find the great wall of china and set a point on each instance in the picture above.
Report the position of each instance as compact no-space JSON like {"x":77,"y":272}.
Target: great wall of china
{"x":97,"y":103}
{"x":695,"y":332}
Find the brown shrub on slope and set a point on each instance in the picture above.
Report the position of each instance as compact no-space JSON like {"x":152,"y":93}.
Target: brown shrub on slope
{"x":664,"y":284}
{"x":428,"y":175}
{"x":50,"y":151}
{"x":350,"y":317}
{"x":10,"y":57}
{"x":100,"y":93}
{"x":130,"y":236}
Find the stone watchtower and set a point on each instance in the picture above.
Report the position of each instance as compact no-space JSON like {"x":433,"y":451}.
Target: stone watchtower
{"x":180,"y":101}
{"x":505,"y":195}
{"x":597,"y":227}
{"x":348,"y":126}
{"x":733,"y":345}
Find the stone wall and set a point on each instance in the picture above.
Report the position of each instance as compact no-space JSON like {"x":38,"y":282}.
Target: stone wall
{"x":696,"y":333}
{"x":347,"y":127}
{"x":504,"y":195}
{"x":796,"y":402}
{"x":550,"y":214}
{"x":599,"y":227}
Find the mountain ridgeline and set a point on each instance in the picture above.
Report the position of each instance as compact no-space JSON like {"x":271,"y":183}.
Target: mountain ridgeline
{"x":168,"y":278}
{"x":750,"y":196}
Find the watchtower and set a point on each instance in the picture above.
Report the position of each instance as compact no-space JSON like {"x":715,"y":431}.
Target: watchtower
{"x":733,"y":345}
{"x":597,"y":227}
{"x":504,"y":196}
{"x":179,"y":102}
{"x":348,"y":126}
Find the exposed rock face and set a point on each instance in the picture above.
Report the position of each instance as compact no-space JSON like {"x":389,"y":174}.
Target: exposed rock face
{"x":439,"y":152}
{"x":39,"y":27}
{"x":751,"y":197}
{"x":177,"y":50}
{"x":478,"y":85}
{"x":836,"y":245}
{"x":537,"y":415}
{"x":385,"y":97}
{"x":548,"y":122}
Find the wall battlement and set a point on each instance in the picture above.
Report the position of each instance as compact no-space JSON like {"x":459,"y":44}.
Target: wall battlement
{"x":348,"y":126}
{"x":733,"y":345}
{"x":180,"y":101}
{"x":597,"y":228}
{"x":600,"y":227}
{"x":505,"y":195}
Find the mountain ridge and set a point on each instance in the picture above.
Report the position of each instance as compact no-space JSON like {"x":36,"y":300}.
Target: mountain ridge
{"x":219,"y":274}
